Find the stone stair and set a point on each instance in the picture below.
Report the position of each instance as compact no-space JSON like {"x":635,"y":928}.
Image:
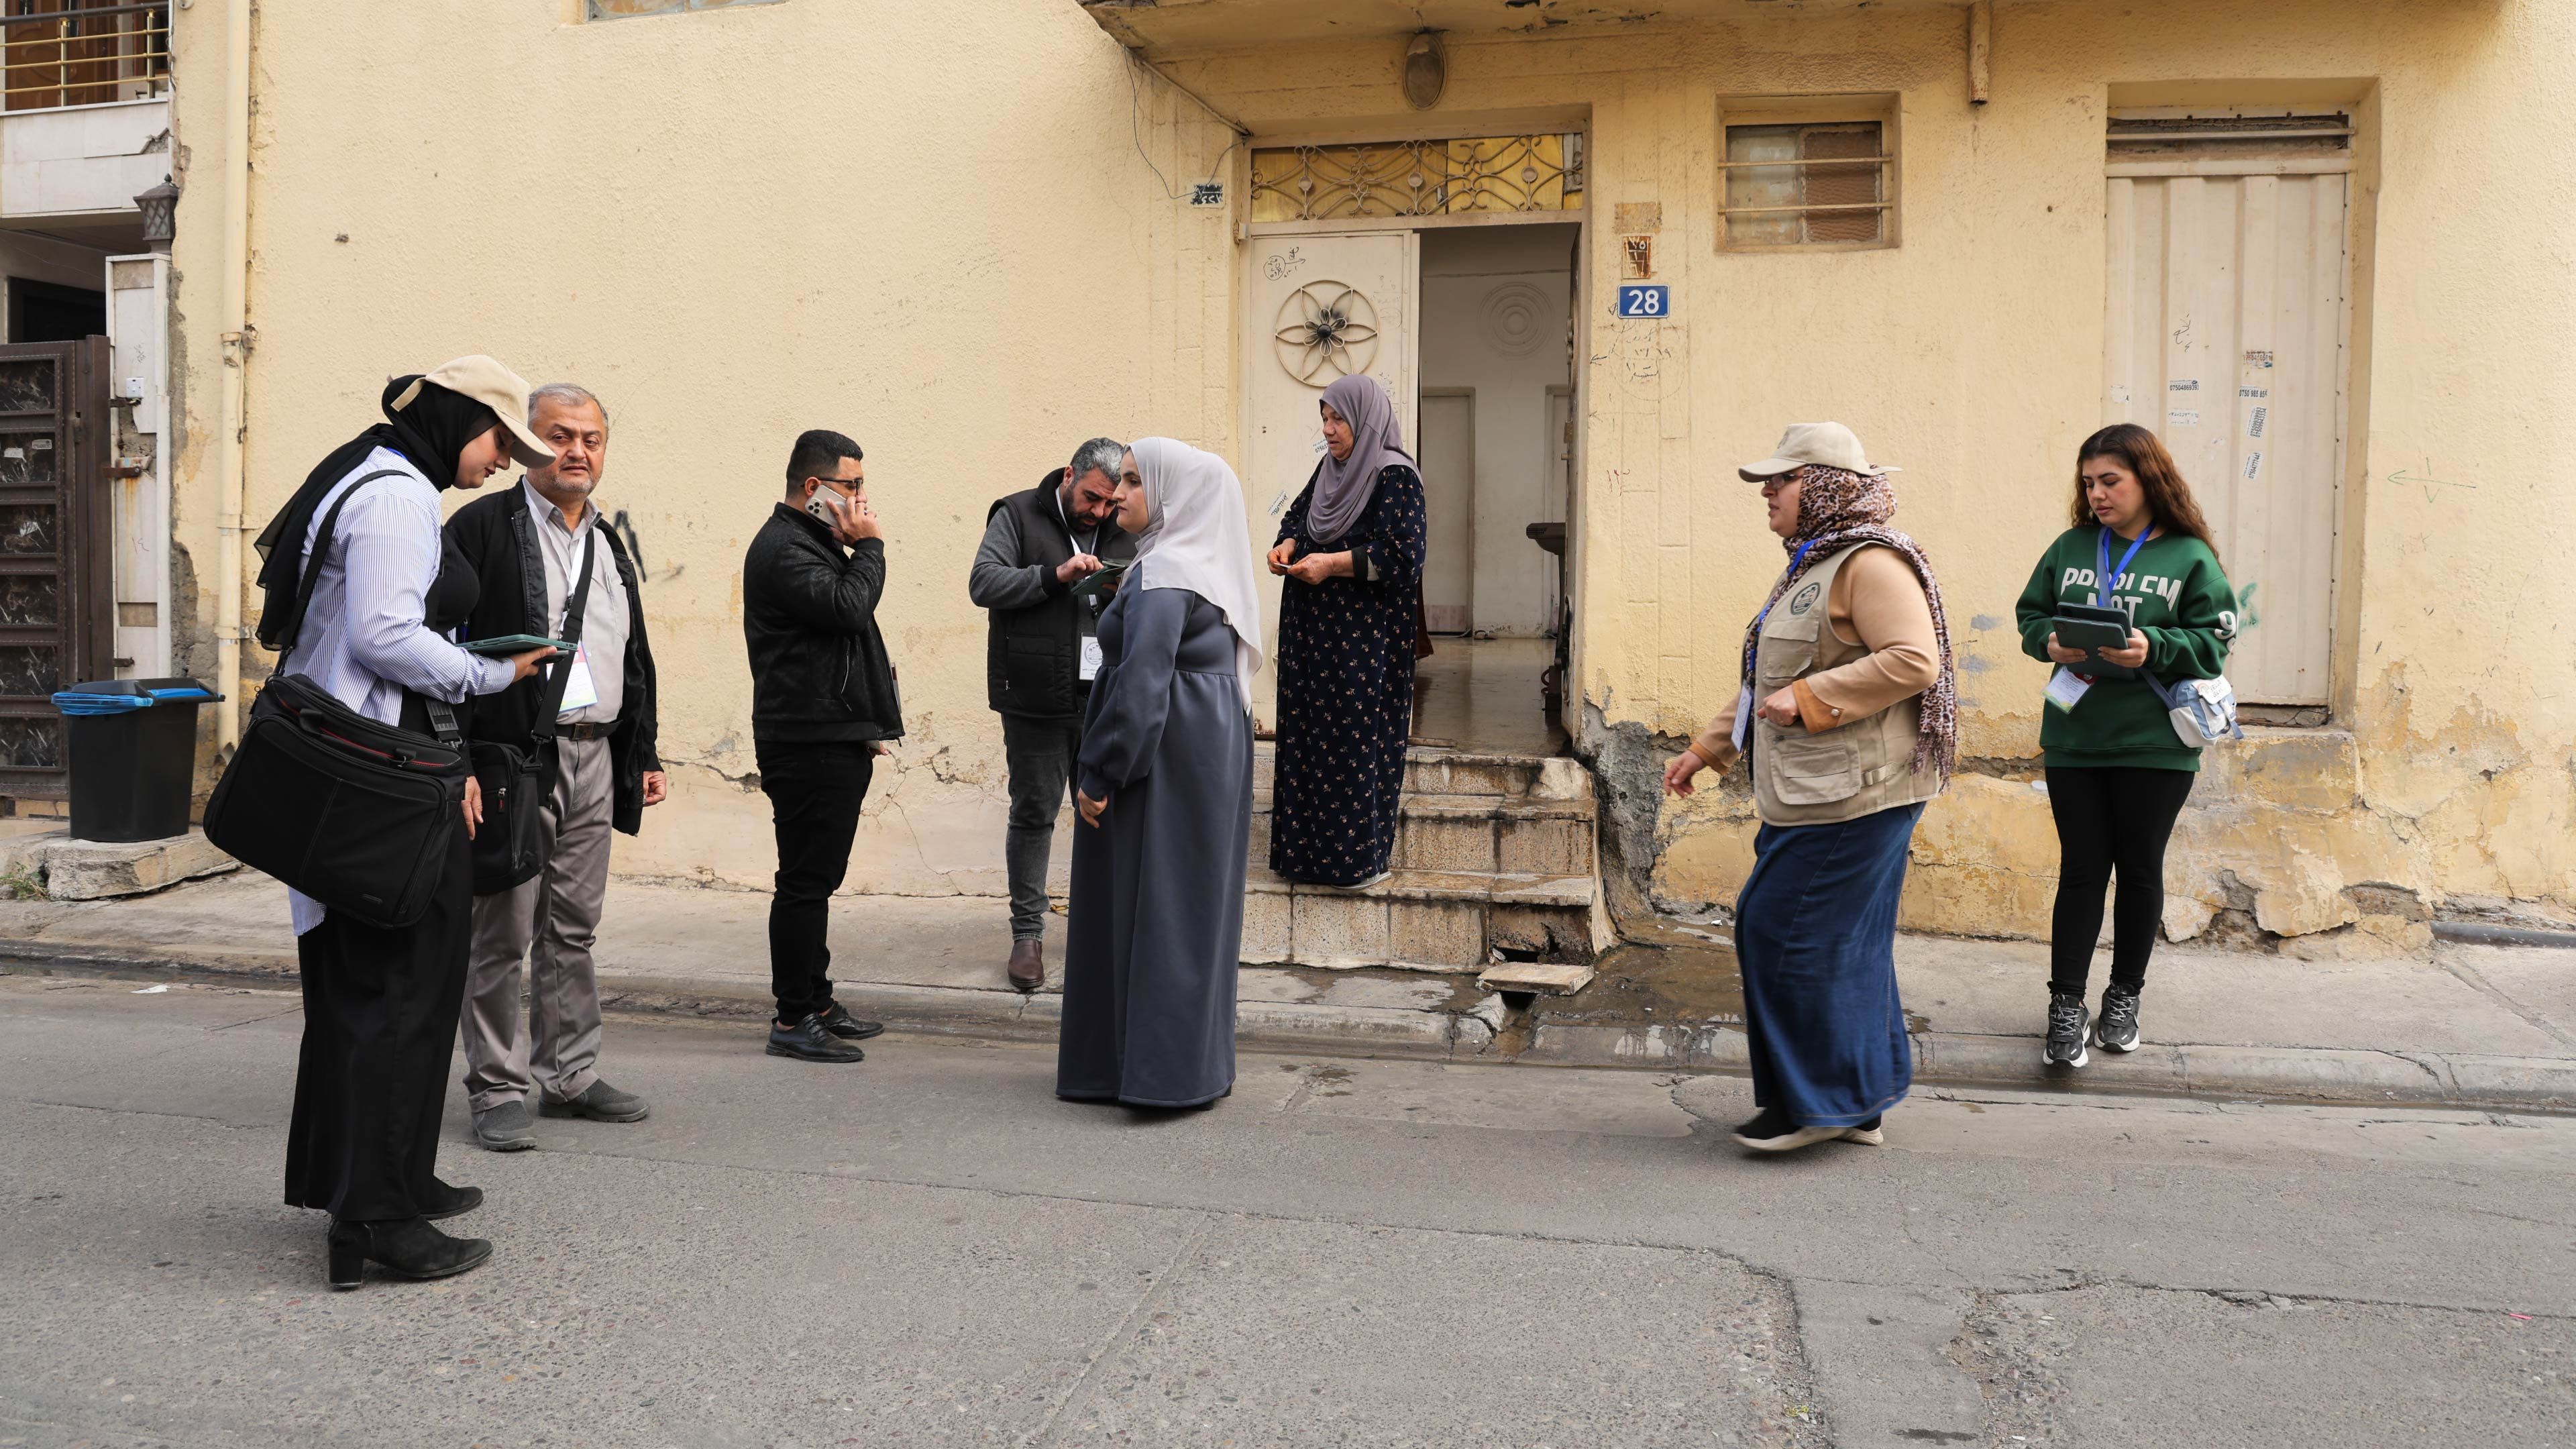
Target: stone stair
{"x":1496,"y":876}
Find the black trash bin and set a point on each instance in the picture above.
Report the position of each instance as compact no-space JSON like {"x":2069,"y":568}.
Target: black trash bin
{"x":133,"y":746}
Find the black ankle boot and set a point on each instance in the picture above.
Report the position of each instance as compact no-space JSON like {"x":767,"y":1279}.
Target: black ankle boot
{"x":404,"y":1247}
{"x":443,"y":1201}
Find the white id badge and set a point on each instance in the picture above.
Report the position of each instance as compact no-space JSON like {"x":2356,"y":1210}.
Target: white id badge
{"x":1743,"y":717}
{"x":2066,"y":688}
{"x":1090,"y":657}
{"x":580,"y":692}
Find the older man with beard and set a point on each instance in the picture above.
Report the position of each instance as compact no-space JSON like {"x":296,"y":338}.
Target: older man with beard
{"x":547,"y":564}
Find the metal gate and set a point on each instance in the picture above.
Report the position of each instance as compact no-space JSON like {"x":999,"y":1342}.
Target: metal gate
{"x":55,"y":621}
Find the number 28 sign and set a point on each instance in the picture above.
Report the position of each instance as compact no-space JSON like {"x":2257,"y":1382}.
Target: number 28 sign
{"x":1646,"y":301}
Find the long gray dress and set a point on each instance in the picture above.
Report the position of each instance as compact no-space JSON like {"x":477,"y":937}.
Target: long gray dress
{"x":1156,"y":921}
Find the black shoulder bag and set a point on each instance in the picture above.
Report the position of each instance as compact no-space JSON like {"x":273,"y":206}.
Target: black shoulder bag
{"x":356,"y":814}
{"x":517,"y":781}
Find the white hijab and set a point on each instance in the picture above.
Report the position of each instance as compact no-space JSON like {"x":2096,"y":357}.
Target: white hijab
{"x":1196,"y":538}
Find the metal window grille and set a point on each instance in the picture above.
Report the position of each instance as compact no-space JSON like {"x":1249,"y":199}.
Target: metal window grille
{"x":1419,"y":178}
{"x":2158,"y":142}
{"x":57,"y":53}
{"x":1807,"y":185}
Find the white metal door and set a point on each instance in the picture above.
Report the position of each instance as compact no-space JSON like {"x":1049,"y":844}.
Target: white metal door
{"x":1448,"y":457}
{"x":2227,"y":333}
{"x":1320,"y":307}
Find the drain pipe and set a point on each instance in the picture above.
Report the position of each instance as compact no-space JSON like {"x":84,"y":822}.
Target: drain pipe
{"x":231,"y":453}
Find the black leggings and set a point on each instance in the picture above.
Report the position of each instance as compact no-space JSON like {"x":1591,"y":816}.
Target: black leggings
{"x":2115,"y":817}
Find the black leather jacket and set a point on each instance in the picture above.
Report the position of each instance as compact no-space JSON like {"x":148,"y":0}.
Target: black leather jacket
{"x":819,"y":670}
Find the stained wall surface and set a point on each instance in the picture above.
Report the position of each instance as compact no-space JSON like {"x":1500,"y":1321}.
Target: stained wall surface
{"x":960,"y":243}
{"x":1972,"y":352}
{"x":956,"y":242}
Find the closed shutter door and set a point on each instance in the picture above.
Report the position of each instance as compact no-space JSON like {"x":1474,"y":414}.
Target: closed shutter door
{"x":2227,"y":334}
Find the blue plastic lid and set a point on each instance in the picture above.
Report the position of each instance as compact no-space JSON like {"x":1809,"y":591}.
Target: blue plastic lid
{"x":119,"y":696}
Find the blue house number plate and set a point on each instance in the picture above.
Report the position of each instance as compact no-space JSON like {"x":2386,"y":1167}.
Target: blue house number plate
{"x":1654,"y":301}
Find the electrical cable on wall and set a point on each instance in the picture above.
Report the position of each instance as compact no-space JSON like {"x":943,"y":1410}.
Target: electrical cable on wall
{"x":1136,"y":129}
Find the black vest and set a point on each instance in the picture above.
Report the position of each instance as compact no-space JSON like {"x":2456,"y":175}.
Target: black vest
{"x":1033,"y":656}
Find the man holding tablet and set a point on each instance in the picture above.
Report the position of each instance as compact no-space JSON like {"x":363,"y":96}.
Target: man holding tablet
{"x":549,"y":567}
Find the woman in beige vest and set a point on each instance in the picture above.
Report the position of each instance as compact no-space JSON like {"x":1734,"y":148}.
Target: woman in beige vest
{"x":1848,"y":712}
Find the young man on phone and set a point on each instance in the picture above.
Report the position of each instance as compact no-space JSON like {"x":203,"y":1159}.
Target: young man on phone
{"x":823,"y":707}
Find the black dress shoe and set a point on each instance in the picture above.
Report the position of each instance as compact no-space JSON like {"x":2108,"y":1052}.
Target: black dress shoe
{"x":810,"y":1041}
{"x":404,"y":1247}
{"x":840,"y":1023}
{"x":443,"y":1201}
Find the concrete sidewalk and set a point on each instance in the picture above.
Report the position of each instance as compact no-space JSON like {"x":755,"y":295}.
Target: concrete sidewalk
{"x":2465,"y":1025}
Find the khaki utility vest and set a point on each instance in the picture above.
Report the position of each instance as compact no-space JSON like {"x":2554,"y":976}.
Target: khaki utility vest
{"x":1846,"y":772}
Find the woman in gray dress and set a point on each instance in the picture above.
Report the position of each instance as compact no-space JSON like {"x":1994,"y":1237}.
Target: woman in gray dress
{"x":1165,"y":791}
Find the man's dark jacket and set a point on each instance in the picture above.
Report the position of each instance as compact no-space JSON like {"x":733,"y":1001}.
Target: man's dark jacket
{"x":819,"y":670}
{"x":496,"y":534}
{"x":1032,"y":655}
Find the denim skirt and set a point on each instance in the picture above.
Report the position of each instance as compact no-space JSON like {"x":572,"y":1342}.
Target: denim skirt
{"x":1815,"y":936}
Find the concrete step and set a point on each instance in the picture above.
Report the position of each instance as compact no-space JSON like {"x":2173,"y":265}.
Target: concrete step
{"x":1419,"y":920}
{"x":1434,"y":771}
{"x":1513,"y":834}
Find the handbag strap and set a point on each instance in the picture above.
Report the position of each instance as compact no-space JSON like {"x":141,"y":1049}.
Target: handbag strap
{"x":559,"y":677}
{"x":314,"y":556}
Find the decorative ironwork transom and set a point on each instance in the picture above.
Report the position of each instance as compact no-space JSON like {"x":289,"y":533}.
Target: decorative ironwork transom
{"x":1327,"y":330}
{"x":1418,"y":178}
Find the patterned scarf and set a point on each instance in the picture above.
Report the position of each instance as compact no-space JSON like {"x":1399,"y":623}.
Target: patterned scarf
{"x":1837,"y":509}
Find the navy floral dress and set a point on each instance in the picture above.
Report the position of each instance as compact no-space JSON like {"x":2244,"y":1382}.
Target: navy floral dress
{"x":1346,"y":690}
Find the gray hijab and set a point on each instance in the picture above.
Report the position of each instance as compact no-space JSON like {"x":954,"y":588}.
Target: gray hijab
{"x":1343,"y":489}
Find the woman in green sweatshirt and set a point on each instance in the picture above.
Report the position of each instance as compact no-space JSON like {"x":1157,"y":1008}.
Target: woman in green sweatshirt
{"x":2117,"y":772}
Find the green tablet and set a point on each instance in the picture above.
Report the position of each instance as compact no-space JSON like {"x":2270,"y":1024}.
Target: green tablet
{"x":514,"y":644}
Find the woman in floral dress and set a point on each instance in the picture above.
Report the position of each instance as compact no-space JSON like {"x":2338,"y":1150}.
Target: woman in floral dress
{"x":1350,"y":550}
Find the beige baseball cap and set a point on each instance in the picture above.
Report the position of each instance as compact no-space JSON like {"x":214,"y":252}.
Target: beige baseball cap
{"x":486,"y":381}
{"x":1824,"y":445}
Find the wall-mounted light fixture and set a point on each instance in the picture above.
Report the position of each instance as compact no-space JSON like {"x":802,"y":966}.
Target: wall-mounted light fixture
{"x":160,"y":208}
{"x":1426,"y":70}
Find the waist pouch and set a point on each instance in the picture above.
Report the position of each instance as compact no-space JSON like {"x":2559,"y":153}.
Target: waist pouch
{"x":515,"y":786}
{"x":356,"y":814}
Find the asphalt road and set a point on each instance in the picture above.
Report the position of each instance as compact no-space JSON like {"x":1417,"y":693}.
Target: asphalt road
{"x":929,"y":1249}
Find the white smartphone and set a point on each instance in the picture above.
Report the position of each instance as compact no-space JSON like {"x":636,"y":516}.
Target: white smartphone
{"x":825,"y":505}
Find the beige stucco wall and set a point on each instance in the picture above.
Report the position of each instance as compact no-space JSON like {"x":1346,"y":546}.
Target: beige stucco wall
{"x":1971,"y":354}
{"x":937,"y":236}
{"x":940,"y":237}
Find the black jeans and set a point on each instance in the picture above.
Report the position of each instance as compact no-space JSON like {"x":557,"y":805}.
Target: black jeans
{"x":2112,"y":819}
{"x":814,"y":791}
{"x":1041,"y":753}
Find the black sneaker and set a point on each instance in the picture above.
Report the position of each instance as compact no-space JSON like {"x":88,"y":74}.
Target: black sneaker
{"x":2117,"y":1030}
{"x":2066,"y":1022}
{"x":840,"y":1023}
{"x":810,"y":1041}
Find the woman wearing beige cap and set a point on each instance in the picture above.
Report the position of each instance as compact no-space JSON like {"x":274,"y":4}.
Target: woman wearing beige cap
{"x":380,"y":1005}
{"x":1847,"y":712}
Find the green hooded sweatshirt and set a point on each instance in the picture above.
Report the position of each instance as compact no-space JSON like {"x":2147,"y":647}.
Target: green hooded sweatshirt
{"x":2178,"y":597}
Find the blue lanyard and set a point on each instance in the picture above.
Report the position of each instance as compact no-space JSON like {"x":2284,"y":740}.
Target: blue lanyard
{"x":1795,"y":560}
{"x":2104,"y":576}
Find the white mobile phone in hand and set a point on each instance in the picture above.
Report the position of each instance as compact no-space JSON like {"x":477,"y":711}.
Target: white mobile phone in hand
{"x":826,"y":506}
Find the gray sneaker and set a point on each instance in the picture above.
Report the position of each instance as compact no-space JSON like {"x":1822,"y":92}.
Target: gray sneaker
{"x":506,"y":1128}
{"x":2067,"y":1021}
{"x":2116,"y":1029}
{"x":599,"y":1102}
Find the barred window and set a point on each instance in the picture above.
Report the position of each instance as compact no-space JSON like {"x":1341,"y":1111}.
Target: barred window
{"x":1808,"y":185}
{"x":624,"y":9}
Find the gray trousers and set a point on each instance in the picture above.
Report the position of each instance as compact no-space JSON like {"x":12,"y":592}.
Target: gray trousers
{"x":1041,"y":753}
{"x":551,"y":921}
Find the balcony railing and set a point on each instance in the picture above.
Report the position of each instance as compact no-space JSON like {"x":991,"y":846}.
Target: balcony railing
{"x":70,"y":53}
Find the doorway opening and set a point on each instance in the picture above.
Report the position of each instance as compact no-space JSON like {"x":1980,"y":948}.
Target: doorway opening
{"x":1495,"y":443}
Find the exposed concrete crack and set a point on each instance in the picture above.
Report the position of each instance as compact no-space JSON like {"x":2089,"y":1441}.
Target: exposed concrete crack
{"x":2476,"y":981}
{"x":1051,"y":1429}
{"x":147,"y":1112}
